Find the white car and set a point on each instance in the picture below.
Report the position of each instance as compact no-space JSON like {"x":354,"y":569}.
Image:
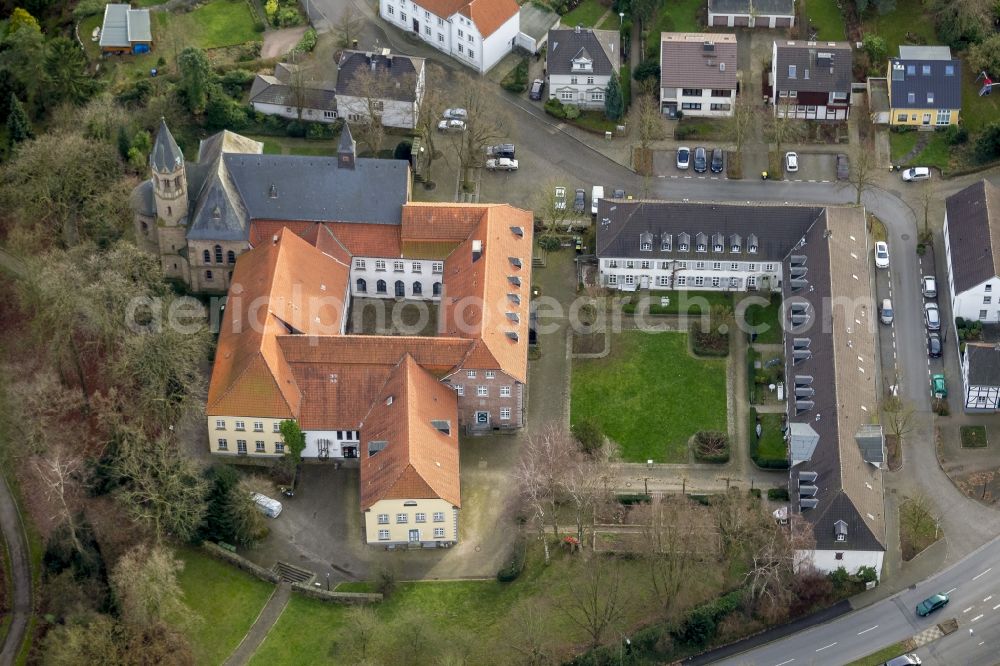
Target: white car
{"x":928,"y":286}
{"x":505,"y":164}
{"x":451,"y":126}
{"x":456,"y":114}
{"x":915,"y":174}
{"x":560,"y":198}
{"x":881,"y":255}
{"x":683,"y":158}
{"x":791,"y":162}
{"x":932,"y":317}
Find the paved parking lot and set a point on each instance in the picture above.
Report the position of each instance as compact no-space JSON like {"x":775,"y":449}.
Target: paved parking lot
{"x":813,"y":168}
{"x":665,"y":165}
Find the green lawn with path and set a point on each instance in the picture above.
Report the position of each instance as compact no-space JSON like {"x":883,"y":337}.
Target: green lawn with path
{"x":674,"y":16}
{"x":693,"y":303}
{"x":825,"y":16}
{"x":587,"y":14}
{"x":908,"y":17}
{"x":771,"y":450}
{"x":650,"y":395}
{"x":935,"y":153}
{"x":611,"y":22}
{"x":766,"y":319}
{"x":225,"y":600}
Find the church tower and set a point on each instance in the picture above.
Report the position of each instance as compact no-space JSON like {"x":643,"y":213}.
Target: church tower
{"x":166,"y":163}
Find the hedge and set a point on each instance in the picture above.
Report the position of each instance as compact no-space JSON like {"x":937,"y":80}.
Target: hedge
{"x":634,"y":498}
{"x":514,"y":565}
{"x":777,"y":494}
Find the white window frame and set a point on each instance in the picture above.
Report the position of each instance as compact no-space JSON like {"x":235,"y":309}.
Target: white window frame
{"x":383,"y":519}
{"x":438,"y":532}
{"x":439,"y":516}
{"x":505,"y":391}
{"x":483,"y":391}
{"x":420,"y":517}
{"x":402,"y":518}
{"x":383,"y":535}
{"x":491,"y":374}
{"x":459,"y":390}
{"x":220,"y":424}
{"x":505,"y":413}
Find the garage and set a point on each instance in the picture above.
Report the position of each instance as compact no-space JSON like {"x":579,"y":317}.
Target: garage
{"x":782,"y":22}
{"x":741,"y":21}
{"x":720,"y":21}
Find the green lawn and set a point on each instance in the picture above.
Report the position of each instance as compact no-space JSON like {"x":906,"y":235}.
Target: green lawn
{"x":701,"y":128}
{"x":827,"y":19}
{"x":650,"y":395}
{"x":885,"y":654}
{"x":283,"y":145}
{"x":611,"y":22}
{"x":693,"y":303}
{"x":766,"y":318}
{"x":936,"y":152}
{"x":675,"y":16}
{"x":771,"y":450}
{"x":973,"y":437}
{"x":218,"y":23}
{"x":901,"y":143}
{"x":587,"y":14}
{"x":909,"y":16}
{"x":226,"y":601}
{"x":977,"y":112}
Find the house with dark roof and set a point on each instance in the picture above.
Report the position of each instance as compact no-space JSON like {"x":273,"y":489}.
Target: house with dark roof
{"x":477,"y":33}
{"x":981,"y":377}
{"x":811,"y":80}
{"x":697,"y":73}
{"x":198,"y":217}
{"x":925,"y":87}
{"x":751,"y":13}
{"x":580,"y":63}
{"x":125,"y":30}
{"x":290,"y":93}
{"x":380,"y":84}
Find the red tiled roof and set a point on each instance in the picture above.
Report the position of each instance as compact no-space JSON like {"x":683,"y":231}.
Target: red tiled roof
{"x":489,"y":15}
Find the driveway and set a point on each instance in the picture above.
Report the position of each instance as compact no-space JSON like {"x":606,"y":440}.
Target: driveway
{"x":279,"y":42}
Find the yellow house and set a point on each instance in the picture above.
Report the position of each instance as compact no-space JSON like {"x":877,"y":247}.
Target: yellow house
{"x":925,"y":87}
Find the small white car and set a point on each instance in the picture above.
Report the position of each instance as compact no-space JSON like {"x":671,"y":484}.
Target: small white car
{"x":928,"y":286}
{"x":451,"y":126}
{"x":560,"y":198}
{"x":932,"y":317}
{"x":791,"y":162}
{"x":881,"y":254}
{"x":507,"y":164}
{"x":456,"y":114}
{"x":915,"y":174}
{"x":683,"y":158}
{"x":885,"y":312}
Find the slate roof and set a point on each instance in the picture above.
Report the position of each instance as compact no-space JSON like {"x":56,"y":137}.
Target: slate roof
{"x":813,"y":73}
{"x":124,"y":26}
{"x":166,"y":156}
{"x":270,"y":90}
{"x":143,"y":200}
{"x":974,"y":234}
{"x":601,"y":46}
{"x":908,"y":77}
{"x":759,"y":7}
{"x":399,"y":73}
{"x":687,"y":61}
{"x":777,"y":228}
{"x":984,"y":364}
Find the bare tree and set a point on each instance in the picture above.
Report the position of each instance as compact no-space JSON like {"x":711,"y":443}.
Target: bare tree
{"x":485,"y":123}
{"x":529,"y":636}
{"x":547,"y":207}
{"x":372,"y":87}
{"x":362,"y":626}
{"x":863,"y":170}
{"x":782,"y":127}
{"x":916,"y":515}
{"x":347,"y":26}
{"x":583,"y":493}
{"x":594,"y":600}
{"x":898,"y":416}
{"x":649,"y":118}
{"x":926,"y":199}
{"x":432,"y":105}
{"x":540,"y":474}
{"x":145,"y":583}
{"x":740,"y":125}
{"x":673,"y":533}
{"x":59,"y":471}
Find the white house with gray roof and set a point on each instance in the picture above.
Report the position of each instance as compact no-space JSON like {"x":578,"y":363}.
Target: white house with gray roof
{"x":698,"y":73}
{"x":751,"y":13}
{"x":386,"y":84}
{"x":580,"y":62}
{"x":286,"y":94}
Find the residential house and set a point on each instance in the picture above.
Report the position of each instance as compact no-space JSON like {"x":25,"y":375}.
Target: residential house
{"x":971,"y":250}
{"x":698,"y":73}
{"x":751,"y":13}
{"x":811,"y":80}
{"x":199,"y":217}
{"x":981,"y":377}
{"x":925,"y":87}
{"x":478,"y":33}
{"x":125,"y":30}
{"x":580,"y":63}
{"x":390,"y":86}
{"x":290,"y":94}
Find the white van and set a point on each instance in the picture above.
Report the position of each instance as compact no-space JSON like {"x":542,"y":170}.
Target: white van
{"x":885,"y":312}
{"x":596,"y":195}
{"x":267,"y":506}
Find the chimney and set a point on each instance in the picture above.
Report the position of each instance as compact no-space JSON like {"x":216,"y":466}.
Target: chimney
{"x":272,"y":192}
{"x":477,"y":250}
{"x":373,"y":64}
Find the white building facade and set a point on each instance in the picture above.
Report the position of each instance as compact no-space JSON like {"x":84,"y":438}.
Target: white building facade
{"x":580,"y":63}
{"x":698,"y":74}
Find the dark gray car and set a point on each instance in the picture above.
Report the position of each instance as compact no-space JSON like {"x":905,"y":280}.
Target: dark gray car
{"x":843,"y":167}
{"x":700,"y":160}
{"x":580,"y":201}
{"x":718,"y":160}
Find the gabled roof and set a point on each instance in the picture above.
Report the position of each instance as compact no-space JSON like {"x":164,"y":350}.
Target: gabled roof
{"x":755,"y":7}
{"x":166,"y":155}
{"x":929,"y":83}
{"x":487,"y":15}
{"x":984,"y":364}
{"x":974,"y":234}
{"x":566,"y":45}
{"x":124,"y":26}
{"x":813,"y":66}
{"x":418,"y":461}
{"x":697,"y":59}
{"x":395,"y":77}
{"x":270,"y":90}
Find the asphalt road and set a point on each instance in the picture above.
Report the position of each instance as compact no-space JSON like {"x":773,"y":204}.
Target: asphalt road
{"x":20,"y":570}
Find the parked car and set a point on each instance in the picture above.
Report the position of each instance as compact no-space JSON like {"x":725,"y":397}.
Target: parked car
{"x":915,"y":174}
{"x":843,"y":167}
{"x":904,"y":660}
{"x":618,"y":193}
{"x":537,"y":86}
{"x":267,"y":506}
{"x":936,"y":601}
{"x":596,"y":195}
{"x":718,"y":160}
{"x":928,"y":286}
{"x":507,"y":164}
{"x":881,"y":254}
{"x":500,"y":150}
{"x":683,"y":157}
{"x":932,"y":317}
{"x":885,"y":312}
{"x":456,"y":114}
{"x":580,"y":200}
{"x":560,"y":198}
{"x":700,"y":160}
{"x":791,"y":162}
{"x":939,"y":389}
{"x":451,"y":126}
{"x":934,"y":345}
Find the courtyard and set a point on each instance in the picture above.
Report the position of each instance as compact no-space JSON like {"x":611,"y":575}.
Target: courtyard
{"x":381,"y":316}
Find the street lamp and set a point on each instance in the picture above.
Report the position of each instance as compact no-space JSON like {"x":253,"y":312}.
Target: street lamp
{"x":621,"y":20}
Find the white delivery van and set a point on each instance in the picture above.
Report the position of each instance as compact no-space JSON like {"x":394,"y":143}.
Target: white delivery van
{"x":596,"y":195}
{"x":267,"y":506}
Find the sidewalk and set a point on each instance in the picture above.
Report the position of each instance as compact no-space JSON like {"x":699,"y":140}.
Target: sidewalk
{"x":272,"y":610}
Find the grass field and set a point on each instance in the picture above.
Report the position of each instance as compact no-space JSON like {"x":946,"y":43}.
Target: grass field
{"x":611,"y":22}
{"x":283,"y":145}
{"x":974,"y":437}
{"x":587,"y":14}
{"x":909,"y":16}
{"x":649,"y":395}
{"x":936,"y":152}
{"x":827,"y":19}
{"x":218,"y":23}
{"x":675,"y":16}
{"x":226,"y":601}
{"x":772,"y":447}
{"x":766,"y":318}
{"x":977,"y":112}
{"x":692,"y":303}
{"x":885,"y":654}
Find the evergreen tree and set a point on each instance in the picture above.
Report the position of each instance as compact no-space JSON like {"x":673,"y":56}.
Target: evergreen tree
{"x":295,"y":443}
{"x":614,"y":105}
{"x":196,"y":78}
{"x":65,"y":72}
{"x":18,"y":125}
{"x":124,"y":143}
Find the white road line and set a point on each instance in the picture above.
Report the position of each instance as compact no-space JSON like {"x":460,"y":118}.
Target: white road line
{"x":954,"y":588}
{"x":996,"y":607}
{"x":987,"y":598}
{"x":867,"y":630}
{"x":982,"y":574}
{"x":981,"y":643}
{"x":967,"y":609}
{"x":785,"y":662}
{"x":978,"y":617}
{"x":825,"y":647}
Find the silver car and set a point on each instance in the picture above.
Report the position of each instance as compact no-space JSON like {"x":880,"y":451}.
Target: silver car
{"x":928,"y":286}
{"x":932,"y":316}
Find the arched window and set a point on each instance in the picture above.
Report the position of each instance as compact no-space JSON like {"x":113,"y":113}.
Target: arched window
{"x":170,"y":211}
{"x":362,"y":286}
{"x":231,"y":257}
{"x":208,"y":275}
{"x":218,"y":254}
{"x":437,"y":289}
{"x":380,"y":286}
{"x":208,"y":256}
{"x":400,"y":289}
{"x":177,"y":182}
{"x":418,"y":289}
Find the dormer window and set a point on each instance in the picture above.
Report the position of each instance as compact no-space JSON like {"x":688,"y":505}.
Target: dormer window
{"x":840,"y":530}
{"x":701,"y":243}
{"x":515,"y":262}
{"x":735,"y":244}
{"x":665,"y":244}
{"x":646,"y":247}
{"x":717,"y":243}
{"x":752,"y":244}
{"x":684,"y":242}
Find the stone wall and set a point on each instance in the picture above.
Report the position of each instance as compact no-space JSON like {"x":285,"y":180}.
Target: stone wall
{"x":241,"y":562}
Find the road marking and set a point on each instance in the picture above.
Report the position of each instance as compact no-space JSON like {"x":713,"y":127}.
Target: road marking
{"x":982,"y":574}
{"x":867,"y":630}
{"x":967,"y":609}
{"x":825,"y":647}
{"x":978,"y":617}
{"x":785,"y":662}
{"x":987,"y":598}
{"x":954,"y":588}
{"x":996,"y":607}
{"x":981,"y":643}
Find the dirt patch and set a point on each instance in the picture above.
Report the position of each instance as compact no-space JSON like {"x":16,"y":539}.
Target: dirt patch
{"x":894,"y":452}
{"x":982,"y":485}
{"x":588,"y":343}
{"x":918,"y":527}
{"x":279,"y":42}
{"x":642,"y":161}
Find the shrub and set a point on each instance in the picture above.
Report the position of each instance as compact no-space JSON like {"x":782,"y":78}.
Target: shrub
{"x":385,"y":581}
{"x":234,"y":80}
{"x":296,"y":129}
{"x":588,"y":433}
{"x":648,"y":69}
{"x":955,"y":135}
{"x":549,"y":243}
{"x":403,"y":150}
{"x":514,"y":565}
{"x":867,"y":574}
{"x":940,"y":407}
{"x":700,"y":624}
{"x":711,"y":446}
{"x":839,"y":577}
{"x":684,"y":131}
{"x":516,"y":80}
{"x":572,"y":111}
{"x":777,"y":494}
{"x":288,"y":16}
{"x":554,"y":107}
{"x":634,"y":498}
{"x":307,"y":43}
{"x":988,"y":144}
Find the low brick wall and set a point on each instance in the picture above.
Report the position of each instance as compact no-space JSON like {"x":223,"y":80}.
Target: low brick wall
{"x":241,"y":562}
{"x":337,"y":597}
